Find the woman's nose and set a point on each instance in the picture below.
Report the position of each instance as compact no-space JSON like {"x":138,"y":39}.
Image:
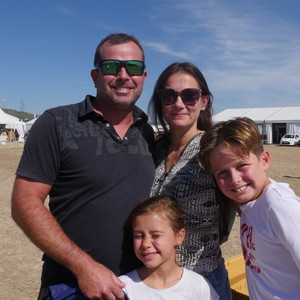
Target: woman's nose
{"x":179,"y":102}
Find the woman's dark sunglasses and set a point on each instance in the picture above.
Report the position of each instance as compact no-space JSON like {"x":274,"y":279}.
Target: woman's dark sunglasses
{"x":188,"y":96}
{"x":113,"y":67}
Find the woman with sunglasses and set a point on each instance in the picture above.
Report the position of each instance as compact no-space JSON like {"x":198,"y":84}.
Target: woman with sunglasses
{"x":182,"y":104}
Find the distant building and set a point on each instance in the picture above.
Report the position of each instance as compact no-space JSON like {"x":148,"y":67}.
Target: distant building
{"x":273,"y":122}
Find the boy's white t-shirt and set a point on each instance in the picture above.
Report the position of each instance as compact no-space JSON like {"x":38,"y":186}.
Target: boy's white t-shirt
{"x":192,"y":286}
{"x":270,"y":235}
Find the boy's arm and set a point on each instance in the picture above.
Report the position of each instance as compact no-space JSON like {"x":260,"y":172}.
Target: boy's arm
{"x":286,"y":224}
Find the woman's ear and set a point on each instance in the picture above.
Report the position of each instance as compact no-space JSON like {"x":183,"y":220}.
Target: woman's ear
{"x":205,"y":100}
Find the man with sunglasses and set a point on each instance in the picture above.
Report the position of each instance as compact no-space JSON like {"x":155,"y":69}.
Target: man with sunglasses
{"x":94,"y":161}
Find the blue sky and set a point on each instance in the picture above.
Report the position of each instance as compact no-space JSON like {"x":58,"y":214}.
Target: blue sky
{"x":249,"y":51}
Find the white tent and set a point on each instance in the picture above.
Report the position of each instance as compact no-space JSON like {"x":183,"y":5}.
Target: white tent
{"x":7,"y":119}
{"x":12,"y":122}
{"x":29,"y":124}
{"x":273,"y":122}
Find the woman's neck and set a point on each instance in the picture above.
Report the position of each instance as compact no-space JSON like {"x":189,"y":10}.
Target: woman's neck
{"x":178,"y":139}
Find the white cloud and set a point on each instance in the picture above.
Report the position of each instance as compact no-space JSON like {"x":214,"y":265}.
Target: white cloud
{"x":248,"y":51}
{"x":163,"y":48}
{"x":64,"y":10}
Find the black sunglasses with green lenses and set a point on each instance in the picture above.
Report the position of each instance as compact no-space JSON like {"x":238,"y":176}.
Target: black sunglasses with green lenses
{"x":113,"y":67}
{"x":188,"y":96}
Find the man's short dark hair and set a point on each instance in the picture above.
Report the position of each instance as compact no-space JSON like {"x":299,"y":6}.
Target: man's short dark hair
{"x":116,"y":39}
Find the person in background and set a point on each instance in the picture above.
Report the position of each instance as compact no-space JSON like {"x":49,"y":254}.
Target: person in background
{"x":182,"y":104}
{"x":270,"y":210}
{"x":26,"y":135}
{"x":157,"y":226}
{"x":94,"y":161}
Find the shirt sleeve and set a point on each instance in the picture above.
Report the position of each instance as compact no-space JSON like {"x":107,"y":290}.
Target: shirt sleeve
{"x":40,"y":160}
{"x":285,"y":221}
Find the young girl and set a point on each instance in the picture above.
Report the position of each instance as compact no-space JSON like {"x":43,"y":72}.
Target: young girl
{"x":158,"y":229}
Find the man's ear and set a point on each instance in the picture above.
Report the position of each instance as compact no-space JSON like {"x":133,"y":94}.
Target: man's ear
{"x":94,"y":75}
{"x":145,"y":74}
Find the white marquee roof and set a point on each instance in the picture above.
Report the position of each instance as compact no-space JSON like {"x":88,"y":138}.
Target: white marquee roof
{"x":261,"y":115}
{"x":8,"y":119}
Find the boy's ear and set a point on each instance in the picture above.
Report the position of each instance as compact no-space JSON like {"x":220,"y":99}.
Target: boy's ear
{"x":265,"y":159}
{"x":180,"y":237}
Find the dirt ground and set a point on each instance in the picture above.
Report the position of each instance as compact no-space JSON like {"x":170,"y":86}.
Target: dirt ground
{"x":20,"y":261}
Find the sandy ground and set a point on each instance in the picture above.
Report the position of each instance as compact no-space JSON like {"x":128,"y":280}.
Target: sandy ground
{"x":20,"y":261}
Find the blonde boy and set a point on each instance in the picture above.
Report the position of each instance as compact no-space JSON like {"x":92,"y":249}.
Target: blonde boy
{"x":270,"y":211}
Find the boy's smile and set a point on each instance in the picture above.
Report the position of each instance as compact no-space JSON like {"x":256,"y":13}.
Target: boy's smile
{"x":241,"y":179}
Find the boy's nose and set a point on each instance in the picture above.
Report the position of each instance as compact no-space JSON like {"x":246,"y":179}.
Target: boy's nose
{"x":235,"y":177}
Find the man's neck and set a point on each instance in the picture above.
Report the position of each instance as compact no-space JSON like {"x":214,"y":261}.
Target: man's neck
{"x":120,"y":119}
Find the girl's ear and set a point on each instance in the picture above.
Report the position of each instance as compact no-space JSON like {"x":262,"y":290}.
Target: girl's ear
{"x":180,"y":237}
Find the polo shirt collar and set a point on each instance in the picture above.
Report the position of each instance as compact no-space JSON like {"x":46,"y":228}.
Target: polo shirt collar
{"x":86,"y":109}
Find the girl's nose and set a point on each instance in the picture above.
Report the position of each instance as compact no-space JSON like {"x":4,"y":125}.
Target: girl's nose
{"x":146,"y":242}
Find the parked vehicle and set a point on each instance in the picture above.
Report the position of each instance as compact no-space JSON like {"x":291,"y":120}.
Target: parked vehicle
{"x":290,"y":139}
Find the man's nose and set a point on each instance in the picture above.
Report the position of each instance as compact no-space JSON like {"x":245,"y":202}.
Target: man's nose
{"x":123,"y":73}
